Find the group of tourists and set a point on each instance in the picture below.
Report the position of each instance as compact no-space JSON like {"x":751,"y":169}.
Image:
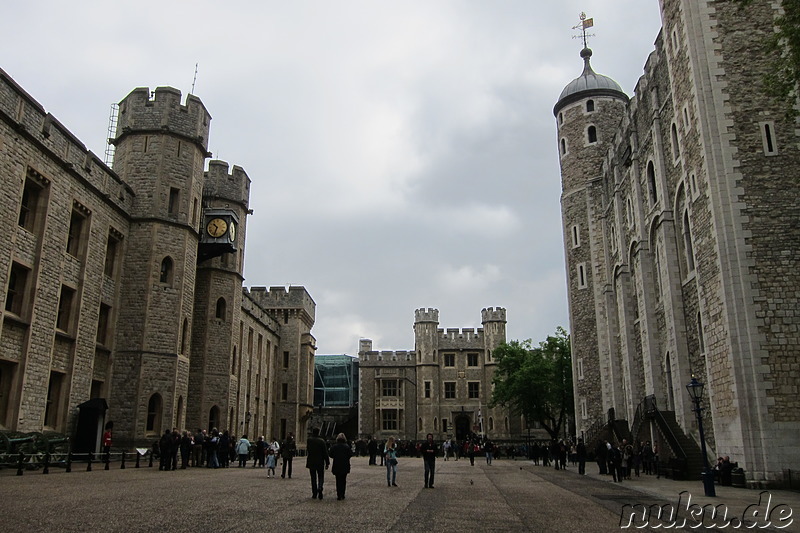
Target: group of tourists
{"x":219,"y":449}
{"x":621,"y":459}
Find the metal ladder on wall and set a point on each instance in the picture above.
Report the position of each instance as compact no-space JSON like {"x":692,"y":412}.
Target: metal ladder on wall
{"x":113,"y":118}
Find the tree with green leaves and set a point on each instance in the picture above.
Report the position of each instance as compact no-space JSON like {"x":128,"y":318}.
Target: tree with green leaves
{"x":536,"y":382}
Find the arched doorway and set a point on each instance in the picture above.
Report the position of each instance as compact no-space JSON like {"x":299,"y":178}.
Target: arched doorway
{"x":462,"y":427}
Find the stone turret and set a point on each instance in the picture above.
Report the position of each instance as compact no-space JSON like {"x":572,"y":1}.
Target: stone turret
{"x":426,"y":324}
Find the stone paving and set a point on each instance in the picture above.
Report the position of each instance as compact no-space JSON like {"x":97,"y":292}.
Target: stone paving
{"x":506,"y":496}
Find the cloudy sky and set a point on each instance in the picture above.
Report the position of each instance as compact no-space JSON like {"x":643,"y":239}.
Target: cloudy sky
{"x":402,"y":154}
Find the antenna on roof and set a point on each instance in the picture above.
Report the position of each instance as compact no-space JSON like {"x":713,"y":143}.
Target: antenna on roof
{"x":583,"y":25}
{"x":194,"y":80}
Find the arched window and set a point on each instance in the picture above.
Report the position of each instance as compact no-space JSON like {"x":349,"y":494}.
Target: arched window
{"x":184,"y":335}
{"x":687,"y":242}
{"x":651,"y":183}
{"x":591,"y":134}
{"x":166,"y":271}
{"x":153,"y":424}
{"x":491,"y":424}
{"x":213,"y":418}
{"x":563,"y":147}
{"x":676,"y":151}
{"x":435,"y":424}
{"x":220,"y":314}
{"x":419,"y":424}
{"x":589,"y":106}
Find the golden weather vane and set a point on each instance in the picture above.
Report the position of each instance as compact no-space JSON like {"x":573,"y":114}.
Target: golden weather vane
{"x":583,"y":25}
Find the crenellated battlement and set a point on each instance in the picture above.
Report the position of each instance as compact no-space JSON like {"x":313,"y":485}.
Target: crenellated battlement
{"x":220,"y":184}
{"x":294,"y":297}
{"x":426,"y":315}
{"x":161,"y":111}
{"x":493,"y":314}
{"x":391,"y":358}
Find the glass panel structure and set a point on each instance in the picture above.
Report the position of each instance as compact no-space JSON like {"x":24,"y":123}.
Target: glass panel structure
{"x":335,"y":380}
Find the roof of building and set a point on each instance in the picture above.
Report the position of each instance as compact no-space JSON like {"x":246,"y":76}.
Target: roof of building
{"x":589,"y":82}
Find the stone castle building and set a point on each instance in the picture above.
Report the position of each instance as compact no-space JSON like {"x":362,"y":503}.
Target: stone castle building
{"x":442,"y":387}
{"x":680,"y":215}
{"x":123,"y":285}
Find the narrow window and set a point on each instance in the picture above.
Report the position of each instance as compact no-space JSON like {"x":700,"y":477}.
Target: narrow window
{"x":213,"y":418}
{"x":700,"y":337}
{"x":676,"y":152}
{"x":65,"y":309}
{"x":165,"y":275}
{"x":768,"y":138}
{"x":687,"y":242}
{"x":74,"y":238}
{"x":584,"y":409}
{"x":491,"y":424}
{"x":102,"y":325}
{"x":651,"y":183}
{"x":693,"y":184}
{"x":16,"y":294}
{"x":233,"y":363}
{"x":589,"y":106}
{"x":285,"y":359}
{"x":580,"y":367}
{"x":7,"y":371}
{"x":444,"y":425}
{"x":576,"y":236}
{"x":174,"y":196}
{"x":419,"y":424}
{"x":427,"y":389}
{"x":221,"y":309}
{"x":582,"y":276}
{"x":629,"y":206}
{"x":112,"y":247}
{"x":561,"y":118}
{"x":32,"y":205}
{"x":184,"y":336}
{"x":563,"y":147}
{"x":284,"y":392}
{"x":194,"y":213}
{"x":592,"y":134}
{"x":686,"y":124}
{"x":54,"y":395}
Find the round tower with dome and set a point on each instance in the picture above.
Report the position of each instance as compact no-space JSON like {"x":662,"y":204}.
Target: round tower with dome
{"x":588,"y":112}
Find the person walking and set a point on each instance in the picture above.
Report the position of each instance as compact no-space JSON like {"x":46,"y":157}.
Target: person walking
{"x":390,"y":454}
{"x":317,"y":461}
{"x":272,"y":460}
{"x":580,"y":452}
{"x":288,"y":452}
{"x":340,"y":454}
{"x":242,"y":450}
{"x":428,"y":450}
{"x":372,"y":448}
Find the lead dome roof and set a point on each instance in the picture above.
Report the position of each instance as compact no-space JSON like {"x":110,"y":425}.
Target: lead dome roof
{"x":587,"y":84}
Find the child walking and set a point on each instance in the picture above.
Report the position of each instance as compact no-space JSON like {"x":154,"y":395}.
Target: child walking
{"x":272,"y":459}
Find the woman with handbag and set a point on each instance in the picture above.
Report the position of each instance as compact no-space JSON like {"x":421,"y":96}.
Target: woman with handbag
{"x":390,"y":453}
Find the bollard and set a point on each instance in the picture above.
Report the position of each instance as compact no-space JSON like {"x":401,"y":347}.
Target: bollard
{"x":69,"y":461}
{"x":107,"y":459}
{"x":122,"y":466}
{"x":138,"y":455}
{"x":151,"y":459}
{"x":46,"y":469}
{"x":89,"y":462}
{"x":19,"y":463}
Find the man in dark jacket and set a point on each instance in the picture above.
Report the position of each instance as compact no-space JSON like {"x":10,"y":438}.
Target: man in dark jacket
{"x":317,"y":461}
{"x":288,"y":451}
{"x":428,"y":451}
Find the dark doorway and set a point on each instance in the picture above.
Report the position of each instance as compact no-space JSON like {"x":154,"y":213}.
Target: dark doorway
{"x":462,"y":427}
{"x":89,"y":432}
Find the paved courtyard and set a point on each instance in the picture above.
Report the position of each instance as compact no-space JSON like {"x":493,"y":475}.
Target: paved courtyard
{"x":507,"y":496}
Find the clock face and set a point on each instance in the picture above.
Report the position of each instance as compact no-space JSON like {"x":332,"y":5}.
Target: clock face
{"x":232,"y":230}
{"x":217,"y":227}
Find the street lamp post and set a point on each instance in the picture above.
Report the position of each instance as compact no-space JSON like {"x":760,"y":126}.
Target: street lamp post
{"x":695,"y":389}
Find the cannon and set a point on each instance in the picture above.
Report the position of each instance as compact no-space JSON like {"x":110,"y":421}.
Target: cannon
{"x":34,"y":446}
{"x":11,"y":444}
